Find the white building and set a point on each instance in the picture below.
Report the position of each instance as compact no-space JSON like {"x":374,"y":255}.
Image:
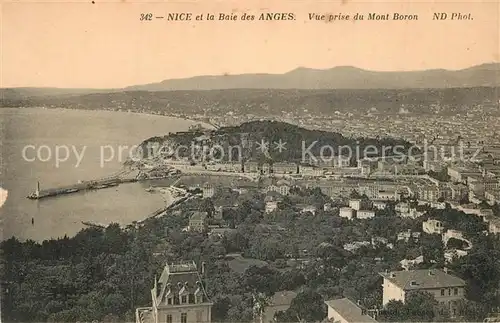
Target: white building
{"x":345,"y":311}
{"x":379,"y":205}
{"x":407,"y":235}
{"x":271,"y":206}
{"x":355,"y":204}
{"x":365,"y":214}
{"x":388,"y":195}
{"x":178,"y":296}
{"x":408,"y":264}
{"x":309,"y":208}
{"x":327,"y":207}
{"x":208,"y":190}
{"x":402,"y":207}
{"x":432,"y":226}
{"x":283,"y":189}
{"x":445,"y":288}
{"x":494,"y":226}
{"x":346,"y":212}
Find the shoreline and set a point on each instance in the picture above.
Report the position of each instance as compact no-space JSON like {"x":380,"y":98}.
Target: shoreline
{"x":167,"y":197}
{"x":195,"y":121}
{"x":67,"y":217}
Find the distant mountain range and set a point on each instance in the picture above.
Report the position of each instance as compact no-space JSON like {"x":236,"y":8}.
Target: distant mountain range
{"x":343,"y":77}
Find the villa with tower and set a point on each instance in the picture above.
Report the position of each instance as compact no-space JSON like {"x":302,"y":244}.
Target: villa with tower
{"x":178,"y":296}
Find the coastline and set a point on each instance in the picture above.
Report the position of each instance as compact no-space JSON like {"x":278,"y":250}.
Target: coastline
{"x":57,"y":217}
{"x":195,"y":121}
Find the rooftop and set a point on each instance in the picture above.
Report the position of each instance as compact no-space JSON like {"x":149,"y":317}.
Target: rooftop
{"x":349,"y":311}
{"x":177,"y":278}
{"x":423,"y":279}
{"x":188,"y":266}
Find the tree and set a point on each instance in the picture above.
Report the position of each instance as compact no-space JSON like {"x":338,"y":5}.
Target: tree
{"x":207,"y":205}
{"x":307,"y":306}
{"x":472,"y":311}
{"x":432,"y":249}
{"x":260,"y":302}
{"x":261,"y":280}
{"x":418,"y":307}
{"x":355,"y":195}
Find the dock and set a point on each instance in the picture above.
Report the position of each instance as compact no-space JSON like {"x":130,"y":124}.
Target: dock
{"x":106,"y":182}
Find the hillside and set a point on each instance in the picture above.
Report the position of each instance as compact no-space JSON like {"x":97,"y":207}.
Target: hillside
{"x":276,"y":102}
{"x":249,"y":135}
{"x":22,"y":93}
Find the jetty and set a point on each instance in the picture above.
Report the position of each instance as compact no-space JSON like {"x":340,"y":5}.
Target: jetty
{"x":94,"y":225}
{"x":101,"y":183}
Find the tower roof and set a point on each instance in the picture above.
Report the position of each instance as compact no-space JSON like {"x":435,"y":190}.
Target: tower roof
{"x":178,"y":278}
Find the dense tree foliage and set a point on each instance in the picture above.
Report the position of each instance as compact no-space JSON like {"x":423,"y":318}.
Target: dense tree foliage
{"x":104,"y":274}
{"x":298,"y":142}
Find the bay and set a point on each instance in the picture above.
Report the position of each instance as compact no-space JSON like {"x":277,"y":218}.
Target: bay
{"x":101,"y":133}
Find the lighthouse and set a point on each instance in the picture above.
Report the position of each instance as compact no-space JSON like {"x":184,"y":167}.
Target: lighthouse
{"x":37,"y":191}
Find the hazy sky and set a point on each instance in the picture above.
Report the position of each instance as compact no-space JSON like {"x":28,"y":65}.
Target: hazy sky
{"x":104,"y":45}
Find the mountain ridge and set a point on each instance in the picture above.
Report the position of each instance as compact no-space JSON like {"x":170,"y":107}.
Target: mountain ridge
{"x":339,"y":77}
{"x":300,"y":78}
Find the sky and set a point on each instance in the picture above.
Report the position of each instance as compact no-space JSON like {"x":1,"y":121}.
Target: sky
{"x":105,"y":45}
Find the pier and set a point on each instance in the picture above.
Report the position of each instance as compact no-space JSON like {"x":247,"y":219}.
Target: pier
{"x":101,"y":183}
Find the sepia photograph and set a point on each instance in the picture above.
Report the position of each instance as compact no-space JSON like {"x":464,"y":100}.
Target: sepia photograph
{"x":249,"y":161}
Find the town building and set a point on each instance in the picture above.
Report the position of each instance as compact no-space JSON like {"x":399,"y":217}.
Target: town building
{"x":358,"y":204}
{"x":198,"y":221}
{"x":458,"y":191}
{"x":379,"y":205}
{"x":251,"y":167}
{"x":309,"y":209}
{"x":178,"y":296}
{"x":284,"y":168}
{"x":428,"y":193}
{"x":432,"y":226}
{"x":402,"y":207}
{"x":344,"y":310}
{"x":355,"y":204}
{"x":283,"y":189}
{"x":220,"y":232}
{"x":445,"y":288}
{"x":494,"y":226}
{"x":346,"y":212}
{"x":309,"y":170}
{"x":219,"y":212}
{"x":271,"y":206}
{"x":388,"y":195}
{"x":365,"y":214}
{"x":408,"y":264}
{"x":459,"y":174}
{"x":265,"y":168}
{"x":435,"y":166}
{"x":353,"y":246}
{"x":327,"y":207}
{"x":492,"y":196}
{"x":407,"y":235}
{"x":367,"y":166}
{"x":208,"y":190}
